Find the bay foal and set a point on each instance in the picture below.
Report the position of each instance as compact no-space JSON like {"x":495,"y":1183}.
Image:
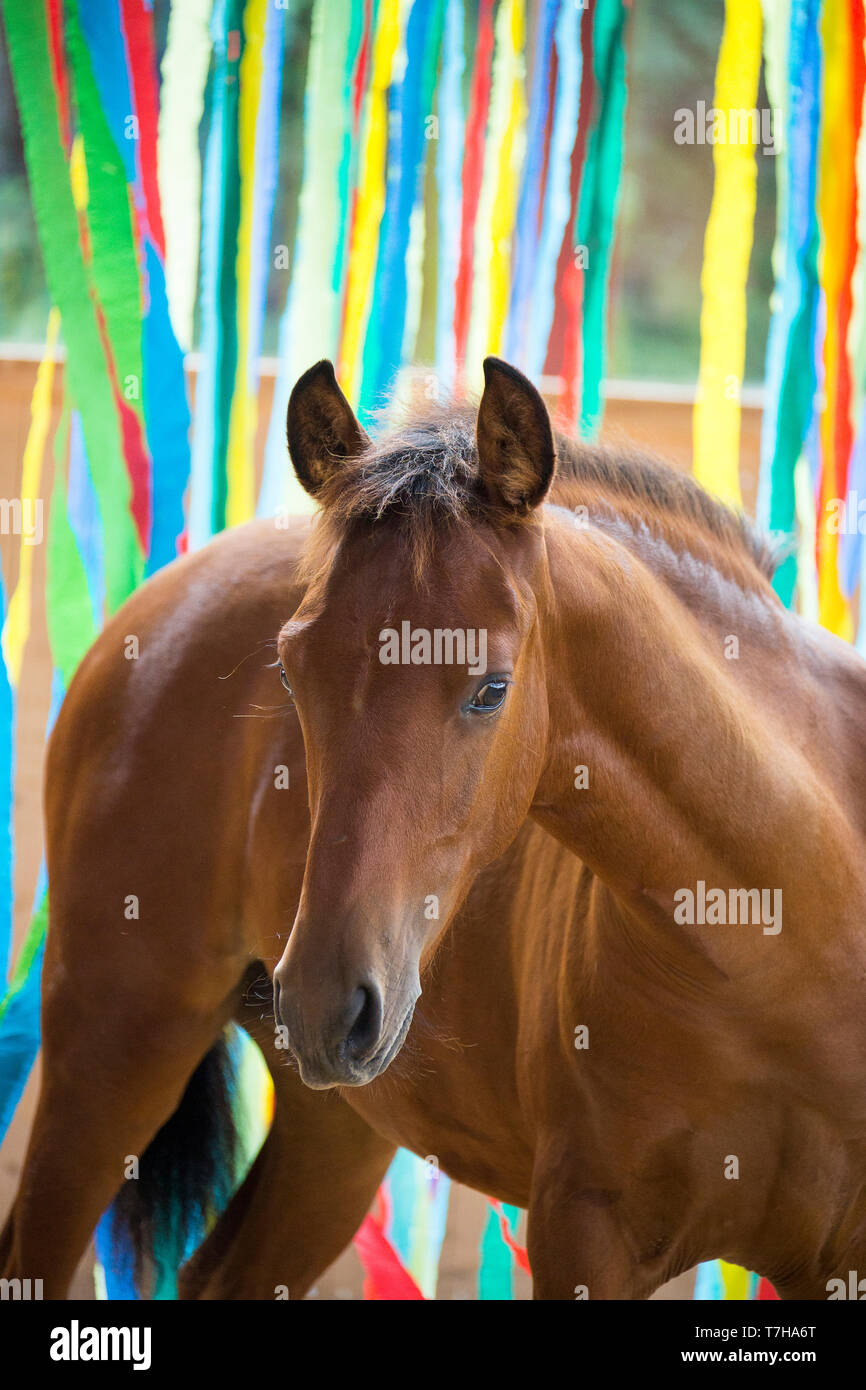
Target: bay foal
{"x":655,"y":1090}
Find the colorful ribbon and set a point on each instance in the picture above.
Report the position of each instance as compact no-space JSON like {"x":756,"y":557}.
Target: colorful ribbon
{"x":310,"y":324}
{"x":258,"y":131}
{"x":842,"y":28}
{"x":599,"y":198}
{"x":727,"y":249}
{"x":790,"y":368}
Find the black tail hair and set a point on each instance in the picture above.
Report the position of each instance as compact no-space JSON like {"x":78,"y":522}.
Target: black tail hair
{"x":186,"y":1175}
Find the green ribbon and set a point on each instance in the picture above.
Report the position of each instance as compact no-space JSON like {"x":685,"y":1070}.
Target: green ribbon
{"x":57,"y":222}
{"x":599,"y":199}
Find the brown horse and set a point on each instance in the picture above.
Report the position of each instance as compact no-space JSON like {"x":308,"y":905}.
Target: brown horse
{"x":640,"y":1010}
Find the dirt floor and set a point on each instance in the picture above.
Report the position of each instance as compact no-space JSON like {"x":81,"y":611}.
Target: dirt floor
{"x":665,"y":427}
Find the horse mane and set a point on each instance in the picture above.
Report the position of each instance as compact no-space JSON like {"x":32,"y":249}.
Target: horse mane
{"x":424,"y":471}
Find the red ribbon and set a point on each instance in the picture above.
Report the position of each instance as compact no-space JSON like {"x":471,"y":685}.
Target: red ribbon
{"x":387,"y":1278}
{"x":473,"y":170}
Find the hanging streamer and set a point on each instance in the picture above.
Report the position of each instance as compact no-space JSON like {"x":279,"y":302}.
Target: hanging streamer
{"x":109,"y":242}
{"x":417,"y":1207}
{"x":358,"y":54}
{"x":57,"y":221}
{"x":387,"y":1278}
{"x":418,"y":342}
{"x":7,"y":802}
{"x":82,"y":509}
{"x":121,"y":47}
{"x":557,"y":201}
{"x":181,"y":106}
{"x":91,"y":306}
{"x":497,"y":207}
{"x":383,"y":350}
{"x":371,"y":199}
{"x":220,"y":214}
{"x":16,"y":628}
{"x":790,"y":367}
{"x":500,"y":1253}
{"x":473,"y":171}
{"x":599,"y":199}
{"x":564,"y":355}
{"x":842,"y":28}
{"x":528,"y":219}
{"x":69,"y":634}
{"x":259,"y":143}
{"x":727,"y":249}
{"x":164,"y":396}
{"x":448,"y":169}
{"x":309,"y":328}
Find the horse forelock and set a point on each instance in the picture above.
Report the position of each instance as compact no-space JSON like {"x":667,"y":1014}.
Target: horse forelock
{"x":423,"y":473}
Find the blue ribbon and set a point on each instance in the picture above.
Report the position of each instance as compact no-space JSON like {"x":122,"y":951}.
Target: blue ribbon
{"x":527,"y":230}
{"x":557,"y":201}
{"x":384,"y":340}
{"x":164,"y":400}
{"x":449,"y":170}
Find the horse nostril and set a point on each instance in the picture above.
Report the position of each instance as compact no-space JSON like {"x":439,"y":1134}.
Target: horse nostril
{"x":366,"y":1013}
{"x":277,"y":1018}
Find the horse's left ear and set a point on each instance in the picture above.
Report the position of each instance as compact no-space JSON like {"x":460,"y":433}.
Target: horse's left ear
{"x":321,"y":427}
{"x":516,"y":455}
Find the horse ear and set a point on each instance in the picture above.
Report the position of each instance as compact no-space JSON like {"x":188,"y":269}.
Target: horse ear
{"x":320,"y":427}
{"x":516,"y":455}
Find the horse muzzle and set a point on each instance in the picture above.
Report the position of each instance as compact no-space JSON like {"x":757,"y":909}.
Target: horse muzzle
{"x":347,"y":1044}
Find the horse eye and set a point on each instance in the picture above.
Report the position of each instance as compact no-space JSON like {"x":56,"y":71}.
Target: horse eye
{"x":285,"y":680}
{"x":489,"y":698}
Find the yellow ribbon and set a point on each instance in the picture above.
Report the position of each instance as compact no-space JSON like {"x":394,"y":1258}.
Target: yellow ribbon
{"x":727,"y":249}
{"x":240,"y":476}
{"x":16,"y":629}
{"x":834,"y":209}
{"x":371,"y":199}
{"x":497,"y":205}
{"x":735,"y":1280}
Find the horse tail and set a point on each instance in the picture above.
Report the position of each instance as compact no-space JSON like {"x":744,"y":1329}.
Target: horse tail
{"x":186,"y":1176}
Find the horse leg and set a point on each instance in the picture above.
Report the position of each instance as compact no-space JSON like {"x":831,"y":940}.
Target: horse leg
{"x":842,"y":1277}
{"x":303,"y":1199}
{"x":116,"y":1059}
{"x":574,"y":1242}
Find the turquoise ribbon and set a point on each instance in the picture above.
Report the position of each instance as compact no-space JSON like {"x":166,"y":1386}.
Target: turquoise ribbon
{"x":496,"y":1270}
{"x":383,"y":351}
{"x":599,"y":199}
{"x":220,"y":218}
{"x":791,"y":349}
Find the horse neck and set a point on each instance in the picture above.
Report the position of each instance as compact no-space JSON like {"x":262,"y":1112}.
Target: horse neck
{"x":699,"y":751}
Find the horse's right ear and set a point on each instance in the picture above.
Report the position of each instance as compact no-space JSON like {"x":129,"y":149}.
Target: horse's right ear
{"x":321,"y":428}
